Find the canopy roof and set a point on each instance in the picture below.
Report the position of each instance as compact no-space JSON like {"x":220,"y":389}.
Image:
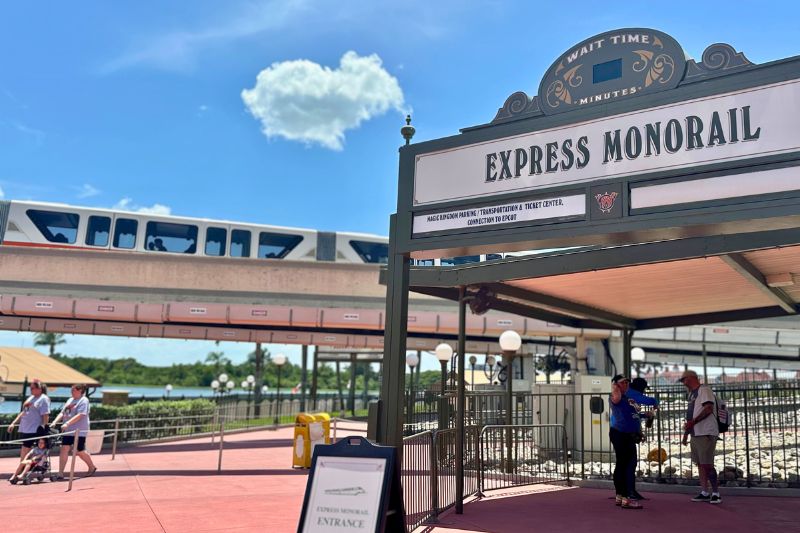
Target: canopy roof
{"x":28,"y":364}
{"x":640,"y":286}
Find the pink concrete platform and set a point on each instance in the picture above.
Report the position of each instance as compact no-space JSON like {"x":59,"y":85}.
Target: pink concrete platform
{"x":554,"y":509}
{"x":170,"y":487}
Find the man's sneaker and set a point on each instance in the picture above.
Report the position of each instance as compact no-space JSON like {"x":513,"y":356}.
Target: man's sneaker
{"x":627,"y":503}
{"x":715,"y":498}
{"x":702,"y":498}
{"x":636,"y":496}
{"x":618,"y":500}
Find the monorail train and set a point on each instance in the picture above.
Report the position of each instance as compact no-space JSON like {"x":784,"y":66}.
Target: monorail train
{"x":51,"y":225}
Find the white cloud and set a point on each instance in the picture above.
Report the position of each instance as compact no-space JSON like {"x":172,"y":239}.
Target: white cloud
{"x":303,"y":101}
{"x":2,"y":194}
{"x":87,"y":191}
{"x":126,"y":204}
{"x":177,"y":50}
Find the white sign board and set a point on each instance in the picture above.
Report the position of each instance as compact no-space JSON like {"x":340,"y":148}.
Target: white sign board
{"x":479,"y":217}
{"x":345,"y":494}
{"x":727,"y":127}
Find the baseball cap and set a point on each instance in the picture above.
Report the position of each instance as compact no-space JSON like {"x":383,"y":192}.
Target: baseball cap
{"x":618,"y":378}
{"x":639,"y":384}
{"x":687,"y":374}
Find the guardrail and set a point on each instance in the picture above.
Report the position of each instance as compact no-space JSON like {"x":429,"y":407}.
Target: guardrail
{"x":522,"y":454}
{"x":419,"y":492}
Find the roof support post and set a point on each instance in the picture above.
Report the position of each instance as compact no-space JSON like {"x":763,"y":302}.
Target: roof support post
{"x":390,"y":419}
{"x":461,"y":398}
{"x":314,"y":372}
{"x":627,"y":341}
{"x":352,"y":392}
{"x":303,"y":376}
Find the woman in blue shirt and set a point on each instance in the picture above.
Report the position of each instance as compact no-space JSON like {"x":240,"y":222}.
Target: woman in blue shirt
{"x":624,"y":434}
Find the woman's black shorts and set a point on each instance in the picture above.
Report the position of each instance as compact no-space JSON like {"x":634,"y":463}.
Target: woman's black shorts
{"x":30,"y":441}
{"x":70,"y":440}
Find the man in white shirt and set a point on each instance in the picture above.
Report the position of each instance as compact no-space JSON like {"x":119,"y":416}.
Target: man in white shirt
{"x":701,"y":424}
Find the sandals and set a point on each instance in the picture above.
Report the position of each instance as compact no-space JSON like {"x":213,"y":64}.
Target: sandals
{"x":91,"y":472}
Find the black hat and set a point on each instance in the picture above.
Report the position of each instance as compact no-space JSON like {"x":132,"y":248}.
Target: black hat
{"x":618,"y":378}
{"x":639,"y":384}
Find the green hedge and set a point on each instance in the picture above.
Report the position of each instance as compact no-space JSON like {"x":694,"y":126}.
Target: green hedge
{"x":165,"y":418}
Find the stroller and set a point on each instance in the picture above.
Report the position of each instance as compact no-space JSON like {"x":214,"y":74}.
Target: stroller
{"x":41,"y":466}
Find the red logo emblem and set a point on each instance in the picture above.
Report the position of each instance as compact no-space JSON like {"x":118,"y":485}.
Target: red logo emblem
{"x":605,"y":201}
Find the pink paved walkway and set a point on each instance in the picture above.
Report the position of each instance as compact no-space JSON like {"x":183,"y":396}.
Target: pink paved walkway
{"x":558,"y":509}
{"x":170,"y":487}
{"x":174,"y":487}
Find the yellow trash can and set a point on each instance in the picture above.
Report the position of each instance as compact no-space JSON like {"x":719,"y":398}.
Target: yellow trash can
{"x":309,"y":430}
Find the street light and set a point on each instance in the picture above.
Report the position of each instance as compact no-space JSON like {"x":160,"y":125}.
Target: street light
{"x":444,"y":353}
{"x":472,"y":361}
{"x":510,"y":342}
{"x":637,"y":356}
{"x":247,"y":386}
{"x":279,"y":361}
{"x":412,"y":360}
{"x":168,"y":390}
{"x":490,"y":371}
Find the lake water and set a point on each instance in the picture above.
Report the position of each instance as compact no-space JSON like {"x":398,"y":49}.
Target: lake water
{"x":135,"y":391}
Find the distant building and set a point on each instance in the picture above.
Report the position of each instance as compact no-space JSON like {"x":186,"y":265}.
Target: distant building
{"x":20,"y":366}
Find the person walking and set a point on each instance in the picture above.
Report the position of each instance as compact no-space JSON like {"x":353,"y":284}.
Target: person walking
{"x":624,"y":435}
{"x":76,"y":417}
{"x":702,"y":426}
{"x":33,"y":418}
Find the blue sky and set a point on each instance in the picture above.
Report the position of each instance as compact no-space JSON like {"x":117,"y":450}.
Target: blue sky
{"x":285,"y":112}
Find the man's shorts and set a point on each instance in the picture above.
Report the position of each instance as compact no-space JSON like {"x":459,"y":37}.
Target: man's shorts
{"x":703,"y":448}
{"x":70,"y":440}
{"x":30,"y":441}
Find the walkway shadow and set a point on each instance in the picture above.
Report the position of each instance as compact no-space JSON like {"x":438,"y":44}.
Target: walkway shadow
{"x":205,"y":446}
{"x":205,"y":472}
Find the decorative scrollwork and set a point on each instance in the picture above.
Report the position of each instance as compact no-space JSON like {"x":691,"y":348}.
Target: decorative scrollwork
{"x":561,"y":93}
{"x":645,"y":56}
{"x":662,"y":70}
{"x":517,"y":105}
{"x":572,"y":77}
{"x":717,"y":60}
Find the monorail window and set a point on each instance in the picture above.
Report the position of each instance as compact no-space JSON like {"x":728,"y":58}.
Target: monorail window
{"x":215,"y":241}
{"x":56,"y":226}
{"x":463,"y":260}
{"x":99,"y":230}
{"x":276,"y":245}
{"x":169,"y":237}
{"x":492,"y":257}
{"x":424,"y":262}
{"x":125,"y":233}
{"x":240,"y":243}
{"x":371,"y":252}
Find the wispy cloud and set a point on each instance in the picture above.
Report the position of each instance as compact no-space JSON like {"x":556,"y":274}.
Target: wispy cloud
{"x":2,"y":194}
{"x":86,"y":191}
{"x":127,"y":204}
{"x":35,"y":134}
{"x":178,"y":49}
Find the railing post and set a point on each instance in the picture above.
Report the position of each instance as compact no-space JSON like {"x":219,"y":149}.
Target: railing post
{"x":564,"y":451}
{"x":72,"y":464}
{"x":114,"y":443}
{"x":434,"y":477}
{"x":335,"y":419}
{"x":746,"y":438}
{"x":221,"y":442}
{"x":480,"y":493}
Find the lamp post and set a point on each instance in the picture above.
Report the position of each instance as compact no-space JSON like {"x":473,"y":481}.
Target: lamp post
{"x":510,"y":342}
{"x":247,"y":386}
{"x":412,"y":360}
{"x":637,"y":358}
{"x":472,"y":361}
{"x":279,"y":361}
{"x":444,"y":352}
{"x":167,"y":390}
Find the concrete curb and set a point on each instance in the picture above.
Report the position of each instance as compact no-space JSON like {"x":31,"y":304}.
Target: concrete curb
{"x":686,"y":489}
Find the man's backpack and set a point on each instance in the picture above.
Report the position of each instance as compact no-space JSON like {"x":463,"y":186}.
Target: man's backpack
{"x":723,"y":416}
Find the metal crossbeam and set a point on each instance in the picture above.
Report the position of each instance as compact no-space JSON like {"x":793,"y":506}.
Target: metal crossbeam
{"x":750,"y":272}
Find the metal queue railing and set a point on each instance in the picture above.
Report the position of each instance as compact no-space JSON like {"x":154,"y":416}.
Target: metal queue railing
{"x":762,"y":447}
{"x":419,"y":489}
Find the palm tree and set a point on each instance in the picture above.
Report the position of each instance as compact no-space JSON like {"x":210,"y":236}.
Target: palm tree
{"x":49,"y":339}
{"x":218,"y":359}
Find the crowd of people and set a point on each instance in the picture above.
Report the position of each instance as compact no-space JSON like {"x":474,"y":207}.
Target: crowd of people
{"x":37,"y":436}
{"x":630,"y":406}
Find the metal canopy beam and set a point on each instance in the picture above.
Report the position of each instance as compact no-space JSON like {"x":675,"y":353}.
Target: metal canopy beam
{"x":710,"y":318}
{"x":749,"y":272}
{"x":574,"y":262}
{"x":600,"y":315}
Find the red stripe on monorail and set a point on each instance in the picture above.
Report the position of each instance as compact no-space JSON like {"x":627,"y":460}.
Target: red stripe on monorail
{"x":48,"y":245}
